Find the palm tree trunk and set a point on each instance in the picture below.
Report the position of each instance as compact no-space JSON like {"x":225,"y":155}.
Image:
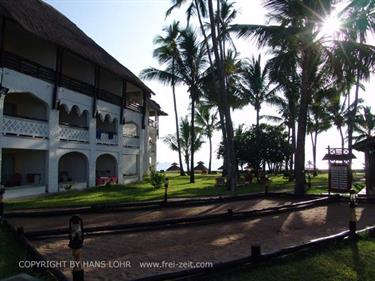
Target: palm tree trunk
{"x":299,"y":188}
{"x":314,"y":138}
{"x":292,"y":172}
{"x":342,"y":138}
{"x":258,"y":118}
{"x":210,"y":158}
{"x":353,"y":112}
{"x":182,"y":173}
{"x":224,"y":132}
{"x":231,"y":167}
{"x":192,"y":137}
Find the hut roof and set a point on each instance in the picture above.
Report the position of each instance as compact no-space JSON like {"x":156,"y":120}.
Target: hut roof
{"x":49,"y":24}
{"x":200,"y":167}
{"x":174,"y":167}
{"x":365,"y":145}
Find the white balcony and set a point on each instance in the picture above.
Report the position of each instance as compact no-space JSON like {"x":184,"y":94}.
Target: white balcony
{"x":20,"y":126}
{"x":106,"y":138}
{"x":73,"y":134}
{"x":131,"y":141}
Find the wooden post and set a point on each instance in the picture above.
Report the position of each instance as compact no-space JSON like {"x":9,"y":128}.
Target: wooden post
{"x":2,"y":38}
{"x":2,"y":191}
{"x":58,"y":71}
{"x":123,"y":101}
{"x":96,"y":90}
{"x":256,"y":252}
{"x":144,"y":109}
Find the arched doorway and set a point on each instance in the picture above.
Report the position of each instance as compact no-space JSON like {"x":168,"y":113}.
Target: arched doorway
{"x":73,"y":171}
{"x":106,"y":169}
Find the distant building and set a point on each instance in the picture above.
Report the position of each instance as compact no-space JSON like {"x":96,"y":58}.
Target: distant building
{"x":173,"y":168}
{"x":200,"y":167}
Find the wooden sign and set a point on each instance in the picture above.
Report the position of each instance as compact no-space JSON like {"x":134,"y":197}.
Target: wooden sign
{"x":339,"y":177}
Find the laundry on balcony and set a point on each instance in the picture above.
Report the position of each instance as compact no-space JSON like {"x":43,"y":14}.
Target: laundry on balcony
{"x":110,"y":135}
{"x":98,"y":134}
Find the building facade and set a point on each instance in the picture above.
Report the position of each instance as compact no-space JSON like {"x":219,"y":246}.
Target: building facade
{"x":71,"y":116}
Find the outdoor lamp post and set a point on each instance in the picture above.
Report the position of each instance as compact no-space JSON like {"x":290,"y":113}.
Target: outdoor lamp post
{"x":76,"y":243}
{"x":353,"y":217}
{"x":166,"y":184}
{"x":2,"y":191}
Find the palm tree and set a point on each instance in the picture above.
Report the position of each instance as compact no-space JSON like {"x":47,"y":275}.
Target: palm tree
{"x":295,"y":25}
{"x":166,"y":53}
{"x":364,"y":124}
{"x":190,"y":67}
{"x":231,"y":166}
{"x":207,"y":122}
{"x":185,"y":141}
{"x":255,"y":85}
{"x":361,"y":21}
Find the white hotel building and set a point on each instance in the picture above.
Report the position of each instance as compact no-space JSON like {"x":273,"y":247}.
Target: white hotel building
{"x":71,"y":116}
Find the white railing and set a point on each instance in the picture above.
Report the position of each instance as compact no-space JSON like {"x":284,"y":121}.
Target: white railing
{"x":73,"y":134}
{"x":24,"y":127}
{"x":131,"y":142}
{"x":105,"y":139}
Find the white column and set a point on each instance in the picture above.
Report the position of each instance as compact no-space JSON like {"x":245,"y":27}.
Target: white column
{"x":140,"y":169}
{"x":53,"y":159}
{"x":120,"y":157}
{"x":92,"y":156}
{"x":2,"y":98}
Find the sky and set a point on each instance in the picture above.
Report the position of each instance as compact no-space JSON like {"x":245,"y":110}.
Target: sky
{"x":126,"y":29}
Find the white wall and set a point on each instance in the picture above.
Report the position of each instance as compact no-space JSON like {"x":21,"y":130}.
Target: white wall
{"x":130,"y":167}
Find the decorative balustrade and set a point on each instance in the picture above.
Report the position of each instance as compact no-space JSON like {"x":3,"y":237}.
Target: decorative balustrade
{"x":73,"y":134}
{"x":106,"y":138}
{"x":131,"y":142}
{"x":24,"y":127}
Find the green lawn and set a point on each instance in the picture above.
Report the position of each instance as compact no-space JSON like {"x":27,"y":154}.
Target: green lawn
{"x":178,"y":187}
{"x":10,"y":255}
{"x":343,"y":262}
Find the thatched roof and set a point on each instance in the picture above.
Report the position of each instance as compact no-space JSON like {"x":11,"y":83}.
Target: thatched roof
{"x":47,"y":23}
{"x":173,"y":167}
{"x":365,"y":145}
{"x":200,"y":167}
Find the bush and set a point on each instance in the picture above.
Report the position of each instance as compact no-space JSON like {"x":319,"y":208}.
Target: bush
{"x":156,"y":178}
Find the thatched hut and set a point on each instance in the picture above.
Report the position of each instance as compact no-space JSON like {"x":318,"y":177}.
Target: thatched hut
{"x":173,"y":168}
{"x":200,"y":167}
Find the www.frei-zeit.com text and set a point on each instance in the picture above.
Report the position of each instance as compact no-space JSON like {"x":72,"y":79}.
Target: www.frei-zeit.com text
{"x":115,"y":264}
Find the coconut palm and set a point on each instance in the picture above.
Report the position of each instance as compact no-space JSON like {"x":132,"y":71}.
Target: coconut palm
{"x":255,"y":86}
{"x":185,"y":141}
{"x":166,"y":52}
{"x":207,"y":122}
{"x":364,"y":124}
{"x":191,"y":64}
{"x":360,"y":22}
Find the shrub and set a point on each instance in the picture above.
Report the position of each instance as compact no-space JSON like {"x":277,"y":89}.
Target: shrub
{"x":156,"y":178}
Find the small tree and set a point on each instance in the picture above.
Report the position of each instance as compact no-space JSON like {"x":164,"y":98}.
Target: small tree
{"x":156,"y":178}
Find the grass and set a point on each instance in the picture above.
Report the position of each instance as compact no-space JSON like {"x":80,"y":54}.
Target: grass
{"x":178,"y":187}
{"x":11,"y":252}
{"x":342,"y":262}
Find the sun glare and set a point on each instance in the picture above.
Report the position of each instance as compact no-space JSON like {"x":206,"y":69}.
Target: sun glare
{"x":331,"y":26}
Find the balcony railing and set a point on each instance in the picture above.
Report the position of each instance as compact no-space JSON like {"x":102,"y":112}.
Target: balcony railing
{"x":131,"y":142}
{"x":21,"y":126}
{"x":39,"y":71}
{"x":106,"y":138}
{"x":73,"y":134}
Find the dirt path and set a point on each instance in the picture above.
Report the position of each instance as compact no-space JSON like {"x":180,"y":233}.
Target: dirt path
{"x":210,"y":243}
{"x":100,"y":219}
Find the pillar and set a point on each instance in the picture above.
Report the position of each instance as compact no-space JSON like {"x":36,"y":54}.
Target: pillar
{"x":52,"y":154}
{"x":120,"y":156}
{"x":92,"y":153}
{"x":2,"y":98}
